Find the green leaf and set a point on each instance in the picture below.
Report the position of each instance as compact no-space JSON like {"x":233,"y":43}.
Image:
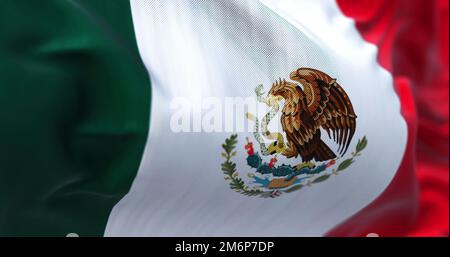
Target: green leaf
{"x":321,"y":178}
{"x":362,"y":143}
{"x":230,"y":144}
{"x":252,"y":192}
{"x":294,"y":188}
{"x":345,"y":164}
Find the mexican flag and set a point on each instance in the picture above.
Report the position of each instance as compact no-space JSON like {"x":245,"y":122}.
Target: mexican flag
{"x":224,"y":118}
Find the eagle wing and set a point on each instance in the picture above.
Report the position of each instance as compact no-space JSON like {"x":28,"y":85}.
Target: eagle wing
{"x":303,"y":135}
{"x":298,"y":123}
{"x":295,"y":120}
{"x":328,"y":105}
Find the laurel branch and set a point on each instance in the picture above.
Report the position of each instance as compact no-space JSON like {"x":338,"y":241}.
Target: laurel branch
{"x":237,"y":184}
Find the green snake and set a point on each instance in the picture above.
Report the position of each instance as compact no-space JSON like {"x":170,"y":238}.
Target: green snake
{"x":277,"y":146}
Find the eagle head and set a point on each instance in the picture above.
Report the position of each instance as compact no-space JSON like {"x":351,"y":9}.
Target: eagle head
{"x":283,"y":89}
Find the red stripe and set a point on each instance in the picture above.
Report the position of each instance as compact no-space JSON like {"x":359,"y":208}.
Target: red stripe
{"x":412,"y":38}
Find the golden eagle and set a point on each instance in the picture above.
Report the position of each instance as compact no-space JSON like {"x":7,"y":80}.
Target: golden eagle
{"x":320,"y":103}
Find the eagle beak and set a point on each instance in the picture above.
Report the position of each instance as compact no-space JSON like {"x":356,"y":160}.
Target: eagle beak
{"x":271,"y":99}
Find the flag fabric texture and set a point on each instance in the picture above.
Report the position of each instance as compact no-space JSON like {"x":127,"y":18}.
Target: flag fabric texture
{"x":115,"y":123}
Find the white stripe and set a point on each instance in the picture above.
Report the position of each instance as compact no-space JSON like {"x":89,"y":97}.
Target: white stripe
{"x":226,"y":48}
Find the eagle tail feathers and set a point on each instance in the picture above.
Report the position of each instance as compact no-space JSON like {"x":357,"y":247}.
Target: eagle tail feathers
{"x":323,"y":152}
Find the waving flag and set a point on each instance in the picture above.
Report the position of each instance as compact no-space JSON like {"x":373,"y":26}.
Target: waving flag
{"x":224,"y":118}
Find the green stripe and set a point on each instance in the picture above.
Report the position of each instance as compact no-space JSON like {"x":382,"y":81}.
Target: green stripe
{"x":74,"y":114}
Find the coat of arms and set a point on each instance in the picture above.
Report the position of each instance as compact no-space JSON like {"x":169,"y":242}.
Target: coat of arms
{"x":313,"y":102}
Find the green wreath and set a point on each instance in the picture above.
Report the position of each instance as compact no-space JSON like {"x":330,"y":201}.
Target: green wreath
{"x":237,"y":184}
